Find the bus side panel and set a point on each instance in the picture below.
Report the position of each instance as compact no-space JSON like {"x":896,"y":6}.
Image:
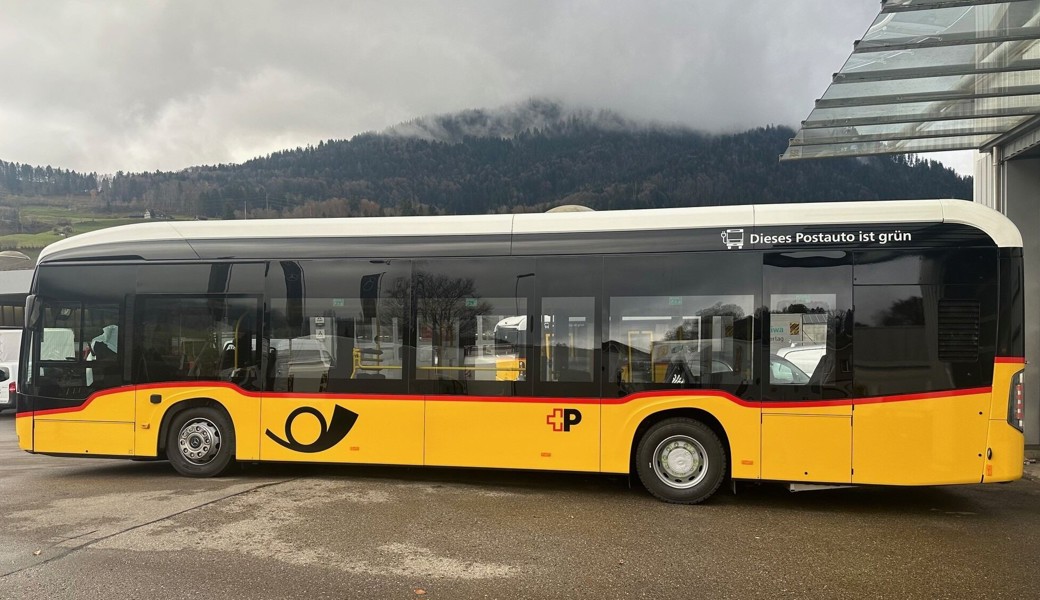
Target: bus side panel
{"x":102,"y":425}
{"x":349,"y":430}
{"x":807,"y":444}
{"x":85,"y":438}
{"x":512,"y":433}
{"x":23,"y":425}
{"x":1006,"y":443}
{"x":244,"y":411}
{"x":929,"y":441}
{"x":742,"y":423}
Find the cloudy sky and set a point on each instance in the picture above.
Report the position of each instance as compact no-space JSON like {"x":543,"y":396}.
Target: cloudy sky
{"x":146,"y":85}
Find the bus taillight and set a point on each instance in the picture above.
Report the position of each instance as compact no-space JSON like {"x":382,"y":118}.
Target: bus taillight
{"x":1017,"y":402}
{"x":12,"y":388}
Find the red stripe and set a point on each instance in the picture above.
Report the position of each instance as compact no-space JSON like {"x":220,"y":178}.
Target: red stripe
{"x":1010,"y":359}
{"x":530,"y":399}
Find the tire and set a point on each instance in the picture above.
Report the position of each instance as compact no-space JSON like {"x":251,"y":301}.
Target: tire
{"x":201,"y":442}
{"x":681,"y":460}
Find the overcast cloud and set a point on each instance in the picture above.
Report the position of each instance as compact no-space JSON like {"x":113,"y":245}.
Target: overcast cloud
{"x":140,"y":86}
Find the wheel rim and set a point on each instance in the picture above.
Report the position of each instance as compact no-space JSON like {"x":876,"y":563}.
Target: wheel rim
{"x":680,"y":462}
{"x":199,"y":441}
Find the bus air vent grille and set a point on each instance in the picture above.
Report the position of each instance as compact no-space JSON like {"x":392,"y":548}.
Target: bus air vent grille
{"x":959,"y":323}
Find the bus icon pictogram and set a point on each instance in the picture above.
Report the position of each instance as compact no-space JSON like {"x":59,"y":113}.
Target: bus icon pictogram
{"x":733,"y":238}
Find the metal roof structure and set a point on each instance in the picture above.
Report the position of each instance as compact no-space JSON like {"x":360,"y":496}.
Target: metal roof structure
{"x":932,"y":75}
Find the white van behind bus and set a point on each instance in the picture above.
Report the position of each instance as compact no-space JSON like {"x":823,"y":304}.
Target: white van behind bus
{"x":10,"y":343}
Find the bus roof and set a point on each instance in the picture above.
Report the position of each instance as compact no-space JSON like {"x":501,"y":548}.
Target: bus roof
{"x":192,"y":240}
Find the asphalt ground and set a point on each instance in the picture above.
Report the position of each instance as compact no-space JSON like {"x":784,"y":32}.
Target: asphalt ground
{"x":93,"y":529}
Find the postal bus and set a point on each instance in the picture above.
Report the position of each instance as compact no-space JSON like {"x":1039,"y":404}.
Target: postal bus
{"x":652,"y":344}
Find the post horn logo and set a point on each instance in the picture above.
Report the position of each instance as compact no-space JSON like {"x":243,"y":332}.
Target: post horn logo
{"x":331,"y":433}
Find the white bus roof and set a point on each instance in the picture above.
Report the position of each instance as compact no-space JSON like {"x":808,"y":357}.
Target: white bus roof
{"x":998,"y":227}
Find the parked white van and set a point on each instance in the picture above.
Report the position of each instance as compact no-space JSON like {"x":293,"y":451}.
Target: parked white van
{"x":10,"y":344}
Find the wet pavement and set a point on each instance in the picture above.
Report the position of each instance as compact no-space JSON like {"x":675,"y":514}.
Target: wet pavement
{"x":88,"y":528}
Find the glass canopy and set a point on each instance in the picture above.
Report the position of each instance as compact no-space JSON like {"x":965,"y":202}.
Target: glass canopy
{"x":928,"y":76}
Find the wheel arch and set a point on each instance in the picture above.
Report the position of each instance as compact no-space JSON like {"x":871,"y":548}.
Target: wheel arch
{"x":182,"y":406}
{"x":696,"y":414}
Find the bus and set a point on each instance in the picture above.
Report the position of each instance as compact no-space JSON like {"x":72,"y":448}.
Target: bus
{"x":397,"y":341}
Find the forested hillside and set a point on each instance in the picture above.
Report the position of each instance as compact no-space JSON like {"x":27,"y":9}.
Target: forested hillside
{"x":436,"y":166}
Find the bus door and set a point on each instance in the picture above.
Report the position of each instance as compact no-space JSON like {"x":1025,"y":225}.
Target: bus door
{"x":336,"y":340}
{"x":567,"y":365}
{"x":81,"y":405}
{"x":188,"y":348}
{"x":480,"y":344}
{"x":806,"y":398}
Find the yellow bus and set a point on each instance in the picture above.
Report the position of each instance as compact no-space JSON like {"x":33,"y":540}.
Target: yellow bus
{"x":830,"y":343}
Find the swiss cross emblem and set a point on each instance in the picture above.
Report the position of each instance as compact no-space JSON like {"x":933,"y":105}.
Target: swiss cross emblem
{"x":562,"y":419}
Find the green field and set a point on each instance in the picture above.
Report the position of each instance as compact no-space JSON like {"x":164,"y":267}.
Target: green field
{"x":52,"y":222}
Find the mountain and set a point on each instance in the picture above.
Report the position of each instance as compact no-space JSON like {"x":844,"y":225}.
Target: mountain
{"x":528,"y":157}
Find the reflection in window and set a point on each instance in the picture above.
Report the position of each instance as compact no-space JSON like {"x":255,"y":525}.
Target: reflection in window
{"x":197,"y":338}
{"x":798,"y":336}
{"x":681,"y":341}
{"x":464,"y":337}
{"x":568,"y":339}
{"x":894,"y":352}
{"x":336,"y":325}
{"x":79,"y":349}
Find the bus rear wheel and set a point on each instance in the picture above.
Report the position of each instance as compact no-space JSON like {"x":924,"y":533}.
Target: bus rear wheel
{"x":681,"y":460}
{"x":201,"y":442}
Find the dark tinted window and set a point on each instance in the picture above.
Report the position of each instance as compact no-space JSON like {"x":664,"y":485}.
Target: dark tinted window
{"x":923,"y":338}
{"x":568,"y":345}
{"x":82,"y":332}
{"x":946,"y":266}
{"x":681,"y":321}
{"x":339,"y":326}
{"x":809,"y":303}
{"x":473,"y":325}
{"x":197,"y":338}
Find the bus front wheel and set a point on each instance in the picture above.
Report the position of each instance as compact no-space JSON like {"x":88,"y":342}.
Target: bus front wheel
{"x":681,"y":460}
{"x":201,"y":442}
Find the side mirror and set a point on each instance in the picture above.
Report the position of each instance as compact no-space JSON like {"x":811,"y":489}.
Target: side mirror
{"x":32,"y":311}
{"x":5,"y":374}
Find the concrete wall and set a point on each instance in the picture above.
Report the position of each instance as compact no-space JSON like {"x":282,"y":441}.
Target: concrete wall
{"x":1021,"y":196}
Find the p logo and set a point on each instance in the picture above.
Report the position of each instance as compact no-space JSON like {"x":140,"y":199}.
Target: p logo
{"x":562,"y":419}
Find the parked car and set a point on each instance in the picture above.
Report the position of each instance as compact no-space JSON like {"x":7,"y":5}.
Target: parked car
{"x":805,"y":357}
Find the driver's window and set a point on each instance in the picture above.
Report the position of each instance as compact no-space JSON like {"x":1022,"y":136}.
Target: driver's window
{"x":79,"y":349}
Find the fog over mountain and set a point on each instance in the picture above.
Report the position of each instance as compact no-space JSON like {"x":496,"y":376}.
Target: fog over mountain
{"x":539,"y":114}
{"x":522,"y":157}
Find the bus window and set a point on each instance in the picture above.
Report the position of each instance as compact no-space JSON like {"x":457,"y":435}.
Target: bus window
{"x":809,"y":302}
{"x":197,"y":338}
{"x":681,"y":341}
{"x":79,"y":349}
{"x":469,"y":338}
{"x":568,"y":339}
{"x":472,"y":326}
{"x":338,"y":326}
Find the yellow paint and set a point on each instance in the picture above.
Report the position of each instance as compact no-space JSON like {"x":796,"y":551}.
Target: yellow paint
{"x":386,"y":431}
{"x":513,"y":435}
{"x":244,"y":411}
{"x":798,"y":447}
{"x":85,"y":437}
{"x":909,"y":442}
{"x":741,"y":423}
{"x":920,"y":442}
{"x":23,"y":425}
{"x":1006,"y":443}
